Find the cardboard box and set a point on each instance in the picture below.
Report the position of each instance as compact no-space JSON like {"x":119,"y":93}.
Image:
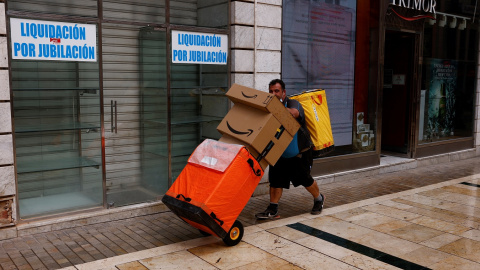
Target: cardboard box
{"x":228,"y":139}
{"x":258,"y":129}
{"x":263,"y":101}
{"x":260,"y":121}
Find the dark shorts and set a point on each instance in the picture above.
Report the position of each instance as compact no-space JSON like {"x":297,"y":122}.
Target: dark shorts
{"x":295,"y":170}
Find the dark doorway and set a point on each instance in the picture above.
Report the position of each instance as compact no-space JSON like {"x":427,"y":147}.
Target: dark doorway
{"x":397,"y":92}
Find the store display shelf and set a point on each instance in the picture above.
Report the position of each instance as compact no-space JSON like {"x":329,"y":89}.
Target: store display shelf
{"x":186,"y":120}
{"x":52,"y":164}
{"x":55,"y":127}
{"x":82,"y":89}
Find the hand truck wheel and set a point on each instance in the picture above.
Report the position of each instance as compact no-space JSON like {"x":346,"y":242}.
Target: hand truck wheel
{"x":234,"y":236}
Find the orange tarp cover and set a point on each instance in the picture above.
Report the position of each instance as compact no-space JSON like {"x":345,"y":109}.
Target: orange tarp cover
{"x":218,"y":178}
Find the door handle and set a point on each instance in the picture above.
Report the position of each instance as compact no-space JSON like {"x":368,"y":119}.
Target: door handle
{"x":113,"y":116}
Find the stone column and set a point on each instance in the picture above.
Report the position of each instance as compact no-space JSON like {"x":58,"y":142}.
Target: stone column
{"x":477,"y":112}
{"x":7,"y":172}
{"x":476,"y":131}
{"x":256,"y":42}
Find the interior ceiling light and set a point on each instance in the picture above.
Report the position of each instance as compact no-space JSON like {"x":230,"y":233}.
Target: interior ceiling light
{"x":432,"y":21}
{"x":462,"y":25}
{"x":453,"y":22}
{"x":443,"y":21}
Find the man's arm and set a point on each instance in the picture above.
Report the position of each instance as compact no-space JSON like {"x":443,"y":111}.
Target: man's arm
{"x":294,"y":112}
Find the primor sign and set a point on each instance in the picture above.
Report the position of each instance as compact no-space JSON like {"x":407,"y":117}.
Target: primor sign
{"x":421,"y":5}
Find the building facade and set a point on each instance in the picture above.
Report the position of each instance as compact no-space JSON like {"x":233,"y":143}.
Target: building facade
{"x":102,"y":102}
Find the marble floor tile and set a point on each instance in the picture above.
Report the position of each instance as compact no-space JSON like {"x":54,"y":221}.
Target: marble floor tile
{"x":463,"y":189}
{"x":177,"y":260}
{"x":425,"y":256}
{"x":294,"y":253}
{"x":271,"y":263}
{"x":447,"y":216}
{"x":390,"y":226}
{"x":433,"y":192}
{"x":436,"y":205}
{"x":370,"y":219}
{"x":391,"y":212}
{"x":431,"y":201}
{"x":457,"y":263}
{"x":288,"y":233}
{"x":313,"y":260}
{"x":396,"y":205}
{"x":345,"y":215}
{"x":440,"y":241}
{"x":415,"y":233}
{"x":458,"y":198}
{"x":136,"y":265}
{"x":273,"y":244}
{"x":465,"y":248}
{"x":367,"y":263}
{"x":440,"y":225}
{"x":338,"y":227}
{"x":224,"y":257}
{"x":472,"y":234}
{"x":386,"y":243}
{"x":325,"y":247}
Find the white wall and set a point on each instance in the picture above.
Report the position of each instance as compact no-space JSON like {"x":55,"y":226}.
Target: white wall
{"x":256,"y":42}
{"x":7,"y":172}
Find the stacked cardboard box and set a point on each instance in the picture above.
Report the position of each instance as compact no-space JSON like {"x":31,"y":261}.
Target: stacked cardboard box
{"x":259,"y":121}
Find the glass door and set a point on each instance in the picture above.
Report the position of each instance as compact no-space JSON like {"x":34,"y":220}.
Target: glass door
{"x":155,"y":112}
{"x":135,"y":104}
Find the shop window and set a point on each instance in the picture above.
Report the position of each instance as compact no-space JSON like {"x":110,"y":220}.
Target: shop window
{"x":147,"y":11}
{"x":205,"y":13}
{"x":85,"y":8}
{"x":450,"y":53}
{"x":57,"y":136}
{"x":152,"y":118}
{"x":320,"y":52}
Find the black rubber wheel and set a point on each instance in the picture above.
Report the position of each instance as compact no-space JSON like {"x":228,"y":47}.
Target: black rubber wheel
{"x":234,"y":236}
{"x":204,"y":233}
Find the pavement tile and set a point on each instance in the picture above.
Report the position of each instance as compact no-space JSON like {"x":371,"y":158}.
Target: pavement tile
{"x":445,"y":209}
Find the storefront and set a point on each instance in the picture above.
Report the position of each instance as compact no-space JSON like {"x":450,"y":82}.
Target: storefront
{"x":400,"y":76}
{"x":102,"y":117}
{"x":106,"y":99}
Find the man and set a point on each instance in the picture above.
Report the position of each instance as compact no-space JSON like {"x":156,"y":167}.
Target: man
{"x":294,"y":166}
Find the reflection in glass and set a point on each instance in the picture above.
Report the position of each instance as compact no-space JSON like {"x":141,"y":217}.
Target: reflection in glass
{"x":448,"y":83}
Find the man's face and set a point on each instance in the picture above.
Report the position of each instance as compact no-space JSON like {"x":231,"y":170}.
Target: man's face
{"x":277,"y":91}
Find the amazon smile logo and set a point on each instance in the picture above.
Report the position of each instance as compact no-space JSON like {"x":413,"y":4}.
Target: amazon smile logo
{"x":249,"y":131}
{"x":254,"y":96}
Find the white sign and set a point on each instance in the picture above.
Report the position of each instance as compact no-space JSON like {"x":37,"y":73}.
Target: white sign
{"x":398,"y":79}
{"x":56,"y":41}
{"x":199,"y":48}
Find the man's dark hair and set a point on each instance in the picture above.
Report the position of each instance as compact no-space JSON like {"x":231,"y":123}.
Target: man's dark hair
{"x":273,"y":82}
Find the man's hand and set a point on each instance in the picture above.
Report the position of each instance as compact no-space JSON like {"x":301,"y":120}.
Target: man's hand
{"x":294,"y":112}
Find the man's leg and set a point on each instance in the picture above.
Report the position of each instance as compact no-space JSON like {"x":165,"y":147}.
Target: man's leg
{"x":272,"y":209}
{"x":276,"y":194}
{"x":318,"y":198}
{"x":313,"y":189}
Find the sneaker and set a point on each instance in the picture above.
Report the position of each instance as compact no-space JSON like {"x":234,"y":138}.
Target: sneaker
{"x":271,"y":212}
{"x":318,"y":206}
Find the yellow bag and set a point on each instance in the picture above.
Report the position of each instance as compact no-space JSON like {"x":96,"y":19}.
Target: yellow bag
{"x":317,"y":118}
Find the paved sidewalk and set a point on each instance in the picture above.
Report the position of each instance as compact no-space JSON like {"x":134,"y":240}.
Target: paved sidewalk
{"x":432,"y":227}
{"x":79,"y":245}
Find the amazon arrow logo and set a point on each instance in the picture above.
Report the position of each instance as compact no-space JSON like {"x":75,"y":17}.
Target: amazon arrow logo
{"x":249,"y":132}
{"x":254,"y":96}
